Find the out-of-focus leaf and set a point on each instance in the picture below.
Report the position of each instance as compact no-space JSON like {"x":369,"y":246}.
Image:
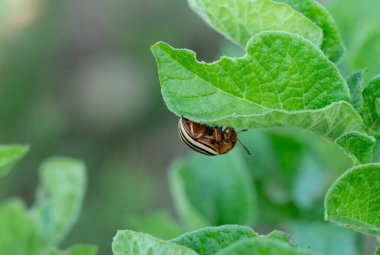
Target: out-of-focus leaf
{"x":18,"y":233}
{"x":9,"y":155}
{"x":208,"y":241}
{"x":370,"y":112}
{"x":239,"y":20}
{"x":133,"y":243}
{"x":377,"y":251}
{"x":262,"y":246}
{"x":159,"y":224}
{"x":213,"y":191}
{"x":358,"y":146}
{"x":297,"y":86}
{"x":323,"y":237}
{"x":355,"y":83}
{"x":354,"y":199}
{"x":332,"y":45}
{"x":60,"y":196}
{"x":75,"y":250}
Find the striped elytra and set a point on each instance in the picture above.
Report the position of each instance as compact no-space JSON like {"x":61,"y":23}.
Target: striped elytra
{"x":207,"y":140}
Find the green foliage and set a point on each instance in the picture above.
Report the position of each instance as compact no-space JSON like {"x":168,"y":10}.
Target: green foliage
{"x":134,"y":243}
{"x":213,"y":191}
{"x":332,"y":45}
{"x":354,"y":199}
{"x":208,"y":241}
{"x":358,"y":146}
{"x":354,"y":82}
{"x":371,"y":108}
{"x":37,"y":231}
{"x":9,"y":155}
{"x":239,"y":20}
{"x":60,"y":197}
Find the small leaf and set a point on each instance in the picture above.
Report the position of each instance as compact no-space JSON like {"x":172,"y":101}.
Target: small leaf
{"x":134,"y":243}
{"x":208,"y":241}
{"x":75,"y":250}
{"x":354,"y":199}
{"x":239,"y":20}
{"x":59,"y":199}
{"x":279,"y":235}
{"x":18,"y":233}
{"x":213,"y":191}
{"x":332,"y":45}
{"x":370,"y":112}
{"x":358,"y":146}
{"x":9,"y":155}
{"x":354,"y":82}
{"x":159,"y":224}
{"x":262,"y":246}
{"x":295,"y":86}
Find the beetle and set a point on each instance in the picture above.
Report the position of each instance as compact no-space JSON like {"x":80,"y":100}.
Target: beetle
{"x":208,"y":140}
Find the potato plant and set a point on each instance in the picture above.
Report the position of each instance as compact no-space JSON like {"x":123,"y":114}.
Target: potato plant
{"x":320,"y":182}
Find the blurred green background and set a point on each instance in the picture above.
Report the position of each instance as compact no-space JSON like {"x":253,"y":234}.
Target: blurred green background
{"x":77,"y":78}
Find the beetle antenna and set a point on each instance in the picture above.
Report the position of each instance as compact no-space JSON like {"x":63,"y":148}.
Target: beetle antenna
{"x":245,"y":148}
{"x":243,"y":130}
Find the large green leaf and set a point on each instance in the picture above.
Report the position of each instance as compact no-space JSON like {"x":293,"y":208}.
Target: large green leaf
{"x":262,"y":246}
{"x":239,"y":20}
{"x":354,"y":199}
{"x":9,"y":155}
{"x":213,"y":191}
{"x":371,"y":108}
{"x":60,"y":196}
{"x":332,"y":45}
{"x":18,"y":233}
{"x":133,"y":243}
{"x":282,"y":81}
{"x":208,"y":241}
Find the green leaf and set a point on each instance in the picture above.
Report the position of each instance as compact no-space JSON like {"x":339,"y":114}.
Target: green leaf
{"x":262,"y":246}
{"x":159,"y":224}
{"x":354,"y":199}
{"x":273,"y":85}
{"x":59,"y":199}
{"x":354,"y":82}
{"x":133,"y":243}
{"x":279,"y":236}
{"x":239,"y":20}
{"x":332,"y":45}
{"x":213,"y":191}
{"x":9,"y":155}
{"x":18,"y":234}
{"x":358,"y":146}
{"x":208,"y":241}
{"x":377,"y":251}
{"x":370,"y":112}
{"x":323,"y":237}
{"x":75,"y":250}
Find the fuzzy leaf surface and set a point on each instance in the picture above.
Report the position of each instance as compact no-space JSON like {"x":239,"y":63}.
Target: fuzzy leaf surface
{"x":262,"y":246}
{"x":208,"y":241}
{"x":332,"y":45}
{"x":9,"y":155}
{"x":282,"y":81}
{"x":60,"y":196}
{"x":358,"y":146}
{"x":134,"y":243}
{"x":371,"y":108}
{"x":354,"y":199}
{"x":213,"y":191}
{"x":239,"y":20}
{"x":354,"y":82}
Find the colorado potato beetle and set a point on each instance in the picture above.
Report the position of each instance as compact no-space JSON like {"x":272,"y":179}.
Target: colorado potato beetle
{"x":208,"y":140}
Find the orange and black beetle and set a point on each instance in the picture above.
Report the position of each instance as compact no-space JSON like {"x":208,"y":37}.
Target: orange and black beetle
{"x":208,"y":140}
